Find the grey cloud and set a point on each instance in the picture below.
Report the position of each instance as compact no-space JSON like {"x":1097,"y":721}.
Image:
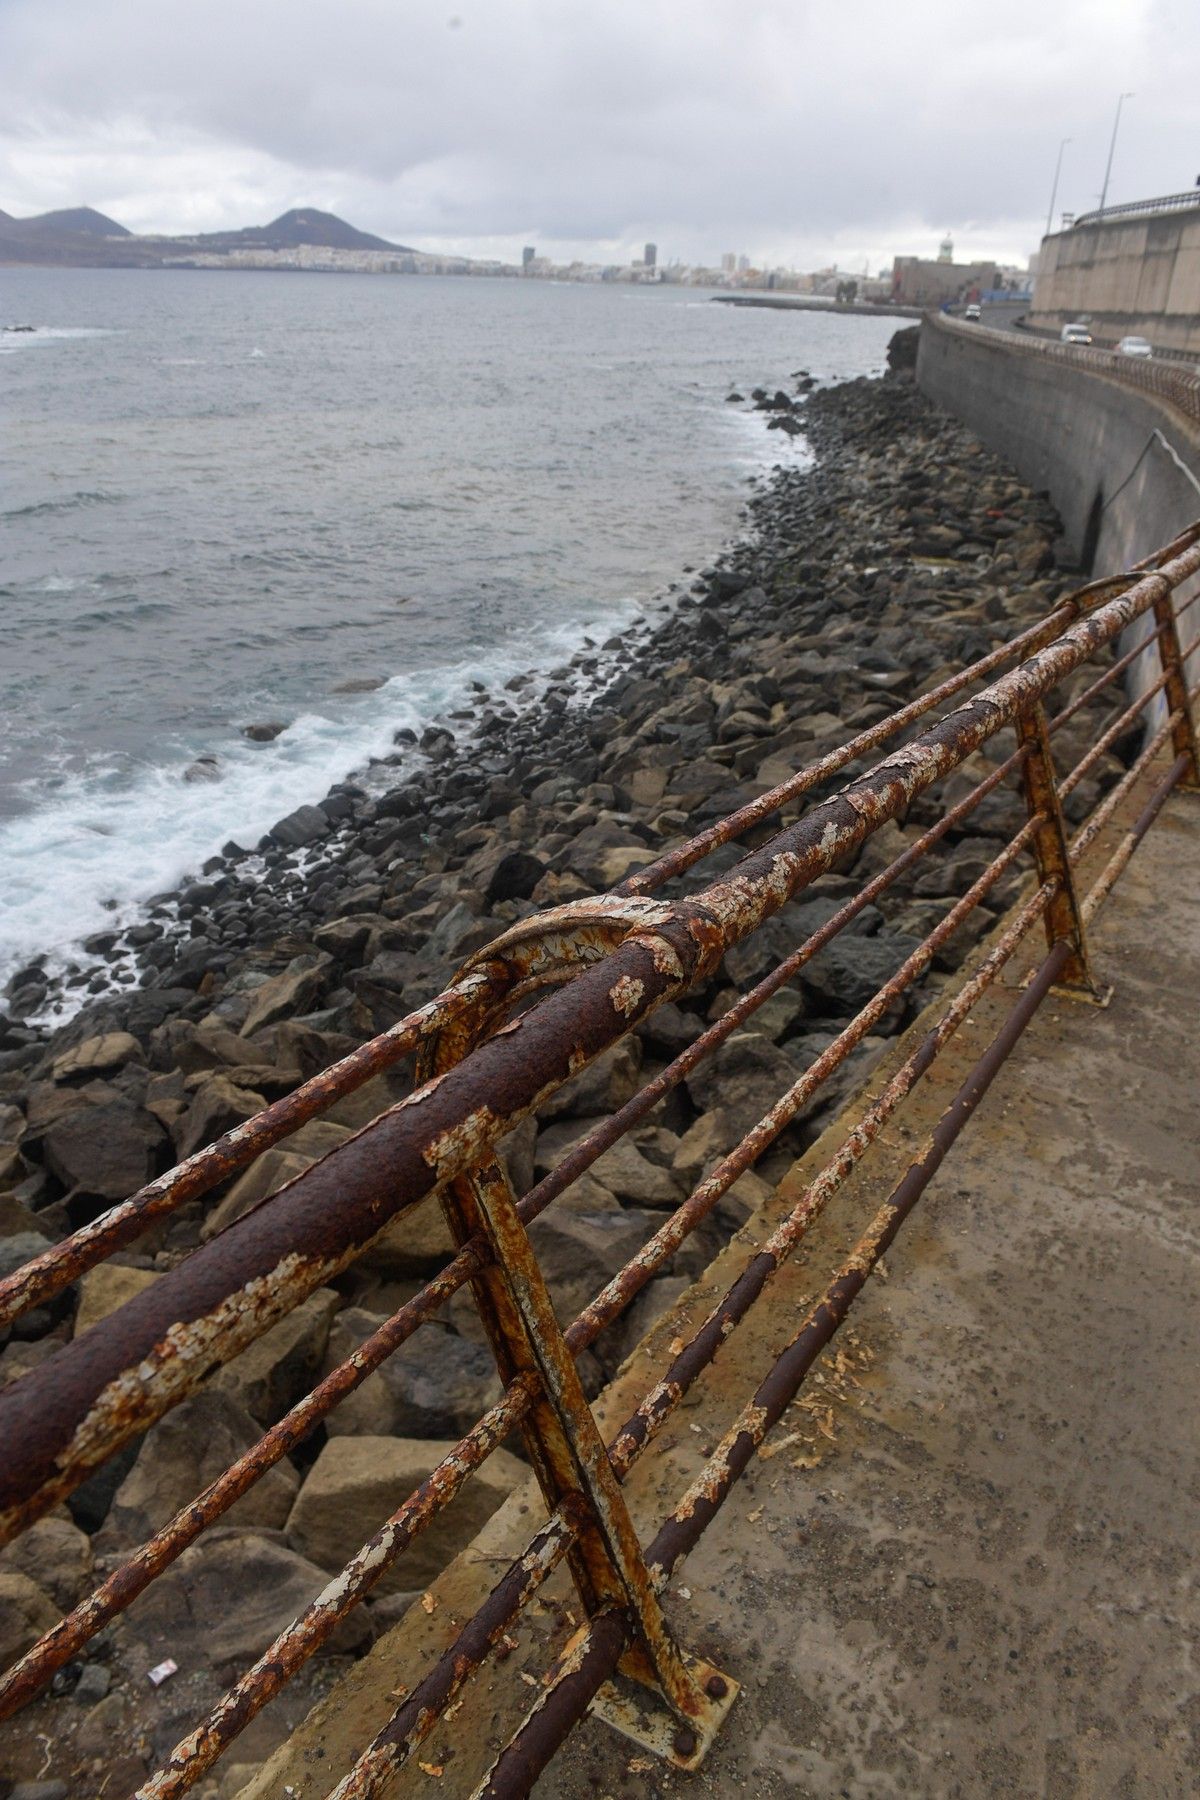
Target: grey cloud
{"x":776,"y":125}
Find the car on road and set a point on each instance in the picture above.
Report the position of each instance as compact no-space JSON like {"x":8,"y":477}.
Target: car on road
{"x":1134,"y":346}
{"x":973,"y":311}
{"x":1075,"y":334}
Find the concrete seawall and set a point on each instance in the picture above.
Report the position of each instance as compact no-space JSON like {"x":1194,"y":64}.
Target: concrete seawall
{"x":1122,"y":465}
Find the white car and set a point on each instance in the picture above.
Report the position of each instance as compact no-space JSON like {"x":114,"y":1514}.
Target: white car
{"x":1075,"y":334}
{"x":973,"y":311}
{"x":1134,"y":346}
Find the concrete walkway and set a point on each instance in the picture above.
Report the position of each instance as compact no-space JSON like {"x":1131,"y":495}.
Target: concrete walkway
{"x":965,"y":1566}
{"x":987,"y":1585}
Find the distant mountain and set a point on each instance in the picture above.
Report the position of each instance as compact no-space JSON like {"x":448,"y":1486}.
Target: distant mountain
{"x":79,"y":236}
{"x":75,"y":237}
{"x":305,"y":225}
{"x":74,"y":218}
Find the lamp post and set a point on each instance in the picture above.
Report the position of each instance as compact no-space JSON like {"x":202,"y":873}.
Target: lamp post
{"x":1112,"y":146}
{"x":1054,"y":189}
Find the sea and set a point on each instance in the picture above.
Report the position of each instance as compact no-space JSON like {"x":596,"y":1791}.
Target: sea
{"x":335,"y":501}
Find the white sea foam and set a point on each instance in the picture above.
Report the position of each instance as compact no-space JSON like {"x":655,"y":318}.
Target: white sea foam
{"x":86,"y":860}
{"x":759,"y":449}
{"x":11,"y":341}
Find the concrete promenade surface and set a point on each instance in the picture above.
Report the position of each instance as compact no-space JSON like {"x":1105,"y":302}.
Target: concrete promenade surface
{"x":966,"y":1564}
{"x":989,"y":1583}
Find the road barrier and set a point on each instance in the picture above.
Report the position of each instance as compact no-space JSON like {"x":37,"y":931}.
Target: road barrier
{"x":522,"y":1017}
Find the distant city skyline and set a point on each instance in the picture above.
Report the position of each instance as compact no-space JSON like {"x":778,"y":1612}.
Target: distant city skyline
{"x":800,"y":135}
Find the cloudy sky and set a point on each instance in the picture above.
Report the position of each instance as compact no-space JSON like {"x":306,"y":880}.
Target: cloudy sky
{"x":794,"y":131}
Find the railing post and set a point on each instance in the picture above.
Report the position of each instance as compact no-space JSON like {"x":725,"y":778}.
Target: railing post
{"x":1183,"y":732}
{"x":1064,"y":918}
{"x":682,"y":1700}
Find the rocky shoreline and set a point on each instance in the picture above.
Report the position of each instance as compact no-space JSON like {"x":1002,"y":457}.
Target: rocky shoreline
{"x":906,"y":552}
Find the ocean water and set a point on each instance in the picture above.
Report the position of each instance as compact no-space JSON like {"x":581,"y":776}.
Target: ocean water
{"x":229,"y":498}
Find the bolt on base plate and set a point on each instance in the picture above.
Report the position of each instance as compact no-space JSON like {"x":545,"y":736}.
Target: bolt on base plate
{"x":641,"y":1714}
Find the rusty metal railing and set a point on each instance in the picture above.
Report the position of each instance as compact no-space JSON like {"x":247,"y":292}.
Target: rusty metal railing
{"x":522,"y":1017}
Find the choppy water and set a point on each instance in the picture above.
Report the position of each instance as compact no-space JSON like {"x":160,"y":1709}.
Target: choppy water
{"x":223,"y":497}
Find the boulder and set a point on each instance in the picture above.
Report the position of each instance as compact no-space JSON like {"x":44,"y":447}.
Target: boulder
{"x":266,"y":1174}
{"x":602,"y":1087}
{"x":344,"y":939}
{"x":309,"y":1049}
{"x":706,"y":1140}
{"x":26,"y":1612}
{"x":516,"y":1153}
{"x":16,"y":1220}
{"x":435,"y":1385}
{"x":640,"y":1316}
{"x":97,"y":1056}
{"x":317,"y":1138}
{"x":578,"y":1251}
{"x":92,"y":1686}
{"x":669,"y":1030}
{"x":185,"y":1451}
{"x":304,"y":826}
{"x":56,"y":1556}
{"x":293,"y":992}
{"x":108,"y":1151}
{"x":612,"y":866}
{"x":417,"y":1243}
{"x":46,"y":1103}
{"x":106,"y":1287}
{"x":20,"y":1247}
{"x":744,"y":1078}
{"x":357,"y":1483}
{"x":226,"y":1598}
{"x":272,"y":1373}
{"x":604,"y":852}
{"x":843,"y":976}
{"x":503,"y":873}
{"x":217,"y":1106}
{"x":623,"y":1170}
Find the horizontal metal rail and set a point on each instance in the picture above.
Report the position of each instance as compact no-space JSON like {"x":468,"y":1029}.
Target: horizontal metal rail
{"x":1139,"y":209}
{"x":595,"y":969}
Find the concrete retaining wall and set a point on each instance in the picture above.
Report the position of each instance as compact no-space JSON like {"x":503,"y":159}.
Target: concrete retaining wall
{"x":1126,"y":275}
{"x":1121,"y":466}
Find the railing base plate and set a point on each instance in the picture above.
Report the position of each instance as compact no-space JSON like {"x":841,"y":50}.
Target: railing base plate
{"x":642,"y":1715}
{"x":1084,"y":996}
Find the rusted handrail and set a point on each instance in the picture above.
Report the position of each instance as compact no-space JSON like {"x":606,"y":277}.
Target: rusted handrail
{"x":600,"y":967}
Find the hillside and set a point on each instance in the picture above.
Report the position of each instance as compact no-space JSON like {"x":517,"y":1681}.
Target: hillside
{"x":81,"y":237}
{"x":83,"y":219}
{"x":304,"y":225}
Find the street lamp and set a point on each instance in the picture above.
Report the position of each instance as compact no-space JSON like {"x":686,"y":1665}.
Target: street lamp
{"x":1054,"y":189}
{"x":1112,"y":146}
